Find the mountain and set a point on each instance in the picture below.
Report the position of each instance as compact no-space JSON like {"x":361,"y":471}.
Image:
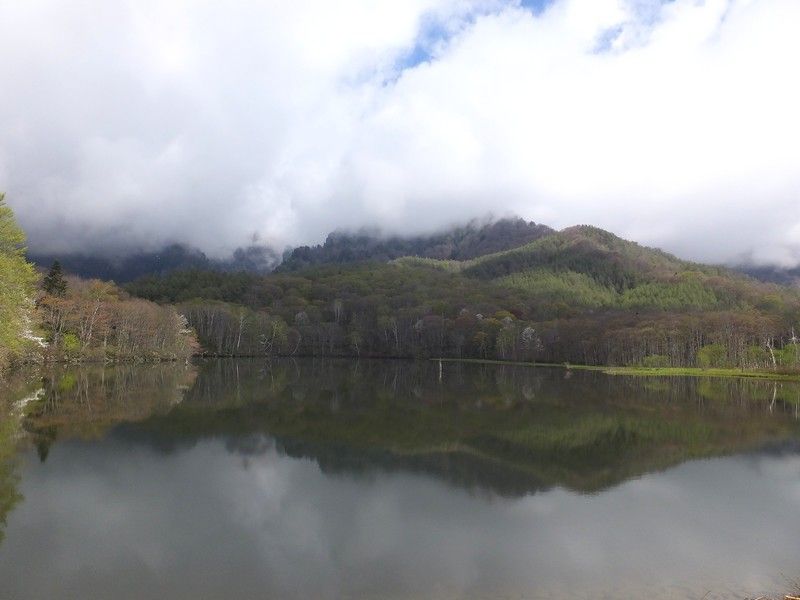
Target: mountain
{"x":585,"y":266}
{"x":173,"y":257}
{"x":460,"y":243}
{"x":782,"y":276}
{"x":469,"y":241}
{"x":580,"y":295}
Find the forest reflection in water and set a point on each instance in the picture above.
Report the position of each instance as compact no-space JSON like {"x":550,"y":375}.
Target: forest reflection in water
{"x":507,"y":428}
{"x":491,"y":431}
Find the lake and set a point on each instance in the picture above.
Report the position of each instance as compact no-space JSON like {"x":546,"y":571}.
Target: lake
{"x":395,"y":479}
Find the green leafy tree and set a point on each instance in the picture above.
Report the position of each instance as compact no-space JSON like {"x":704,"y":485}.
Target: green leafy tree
{"x":712,"y":355}
{"x":16,"y":284}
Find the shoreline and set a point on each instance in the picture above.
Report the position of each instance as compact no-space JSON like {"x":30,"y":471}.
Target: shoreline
{"x":643,"y":371}
{"x":606,"y":369}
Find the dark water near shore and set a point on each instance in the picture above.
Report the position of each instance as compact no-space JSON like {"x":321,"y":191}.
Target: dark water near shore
{"x":391,"y":479}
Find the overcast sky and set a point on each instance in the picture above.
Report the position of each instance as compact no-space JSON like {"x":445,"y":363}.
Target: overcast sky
{"x":139,"y":122}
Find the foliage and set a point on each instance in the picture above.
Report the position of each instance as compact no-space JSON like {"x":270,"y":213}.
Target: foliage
{"x":54,"y":282}
{"x":16,"y":286}
{"x":96,"y":320}
{"x":608,"y":260}
{"x":669,"y":296}
{"x":712,"y":355}
{"x":589,"y":296}
{"x":566,"y":289}
{"x":655,"y":361}
{"x":789,"y":356}
{"x":70,"y":343}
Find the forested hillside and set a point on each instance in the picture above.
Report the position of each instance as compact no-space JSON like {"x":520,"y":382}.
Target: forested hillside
{"x":173,"y":257}
{"x":459,"y":243}
{"x":580,"y":295}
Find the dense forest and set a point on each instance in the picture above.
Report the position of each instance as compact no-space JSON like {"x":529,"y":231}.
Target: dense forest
{"x":581,"y":295}
{"x":94,"y":320}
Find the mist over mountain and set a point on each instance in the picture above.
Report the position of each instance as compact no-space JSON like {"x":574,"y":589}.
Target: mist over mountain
{"x":147,"y":123}
{"x":474,"y":239}
{"x":174,"y":257}
{"x":772,"y":274}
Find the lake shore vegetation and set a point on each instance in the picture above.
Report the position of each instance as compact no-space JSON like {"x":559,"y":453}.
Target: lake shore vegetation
{"x":46,"y":318}
{"x":581,"y":296}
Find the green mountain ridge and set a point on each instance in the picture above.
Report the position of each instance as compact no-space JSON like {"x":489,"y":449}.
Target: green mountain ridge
{"x":587,"y":266}
{"x":581,"y":295}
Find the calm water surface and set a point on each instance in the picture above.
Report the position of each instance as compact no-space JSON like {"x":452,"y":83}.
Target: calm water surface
{"x":380,"y":479}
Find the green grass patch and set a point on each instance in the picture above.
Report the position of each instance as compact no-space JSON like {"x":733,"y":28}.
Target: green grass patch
{"x":644,"y":371}
{"x":699,"y":372}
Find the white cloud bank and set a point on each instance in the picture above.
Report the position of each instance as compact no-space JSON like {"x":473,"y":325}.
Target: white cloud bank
{"x":144,"y":121}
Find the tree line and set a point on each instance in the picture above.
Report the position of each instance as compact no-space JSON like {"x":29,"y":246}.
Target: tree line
{"x":581,"y":295}
{"x":54,"y":318}
{"x":412,"y":310}
{"x":93,"y":320}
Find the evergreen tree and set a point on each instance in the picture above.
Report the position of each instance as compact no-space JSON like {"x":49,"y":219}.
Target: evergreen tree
{"x":54,"y":282}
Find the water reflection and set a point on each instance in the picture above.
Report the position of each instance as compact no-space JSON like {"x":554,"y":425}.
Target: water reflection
{"x":9,"y":478}
{"x":86,"y":401}
{"x":509,"y":430}
{"x":333,"y":479}
{"x":15,"y":396}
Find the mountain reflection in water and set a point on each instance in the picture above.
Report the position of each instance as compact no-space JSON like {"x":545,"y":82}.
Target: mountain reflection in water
{"x":501,"y":439}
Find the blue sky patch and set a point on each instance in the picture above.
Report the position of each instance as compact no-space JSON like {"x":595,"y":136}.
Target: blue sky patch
{"x":535,"y":6}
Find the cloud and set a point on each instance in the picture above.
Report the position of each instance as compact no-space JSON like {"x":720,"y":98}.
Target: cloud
{"x":135,"y":123}
{"x":275,"y":526}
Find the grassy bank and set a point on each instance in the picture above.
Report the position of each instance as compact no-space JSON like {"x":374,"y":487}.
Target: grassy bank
{"x":698,"y":372}
{"x":646,"y":371}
